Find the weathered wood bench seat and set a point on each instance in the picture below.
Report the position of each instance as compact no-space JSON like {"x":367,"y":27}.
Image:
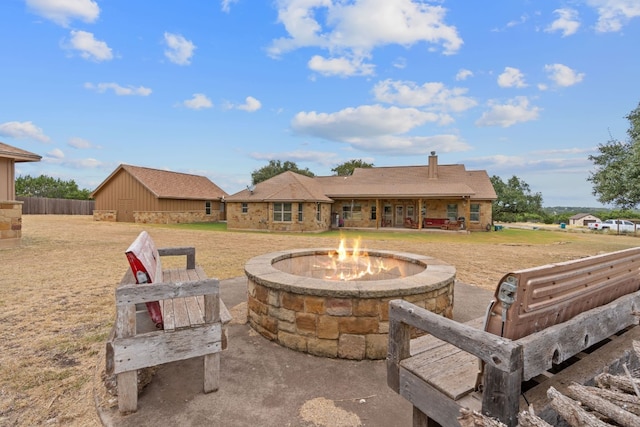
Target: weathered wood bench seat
{"x":193,"y":321}
{"x":540,"y":319}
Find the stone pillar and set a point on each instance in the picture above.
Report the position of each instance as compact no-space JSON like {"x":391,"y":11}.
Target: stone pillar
{"x":10,"y":223}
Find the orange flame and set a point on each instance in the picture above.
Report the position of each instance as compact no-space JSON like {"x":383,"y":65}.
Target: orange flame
{"x":352,"y":264}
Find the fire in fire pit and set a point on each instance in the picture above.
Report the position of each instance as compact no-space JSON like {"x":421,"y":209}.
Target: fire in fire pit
{"x":327,"y":304}
{"x":354,"y":264}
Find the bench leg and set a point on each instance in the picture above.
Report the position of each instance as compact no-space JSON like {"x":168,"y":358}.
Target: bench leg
{"x":211,"y":372}
{"x":127,"y":391}
{"x":420,"y":419}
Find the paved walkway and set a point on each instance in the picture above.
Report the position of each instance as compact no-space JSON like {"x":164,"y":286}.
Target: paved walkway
{"x":264,"y":384}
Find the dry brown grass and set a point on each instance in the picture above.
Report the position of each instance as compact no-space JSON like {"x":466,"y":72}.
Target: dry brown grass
{"x":56,"y":303}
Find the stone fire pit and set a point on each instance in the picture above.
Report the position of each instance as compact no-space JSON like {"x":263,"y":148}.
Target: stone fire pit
{"x":291,"y":301}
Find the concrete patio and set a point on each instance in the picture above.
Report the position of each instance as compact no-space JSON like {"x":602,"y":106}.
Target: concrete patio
{"x":264,"y":384}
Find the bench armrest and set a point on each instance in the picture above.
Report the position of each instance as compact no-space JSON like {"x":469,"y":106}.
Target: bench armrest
{"x":189,"y":252}
{"x":127,"y":294}
{"x":500,"y":353}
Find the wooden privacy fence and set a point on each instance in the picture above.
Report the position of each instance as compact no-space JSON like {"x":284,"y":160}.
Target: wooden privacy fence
{"x":47,"y":206}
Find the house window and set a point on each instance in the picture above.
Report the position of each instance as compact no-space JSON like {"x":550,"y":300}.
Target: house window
{"x":346,"y":212}
{"x":387,"y":215}
{"x":299,"y":212}
{"x":207,"y":207}
{"x":352,"y":211}
{"x":282,"y":212}
{"x":318,"y":211}
{"x":245,"y":208}
{"x":452,"y":212}
{"x":373,"y":212}
{"x":474,"y":214}
{"x":410,"y":211}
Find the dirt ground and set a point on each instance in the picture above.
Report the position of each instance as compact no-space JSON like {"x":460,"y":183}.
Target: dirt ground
{"x":56,"y":292}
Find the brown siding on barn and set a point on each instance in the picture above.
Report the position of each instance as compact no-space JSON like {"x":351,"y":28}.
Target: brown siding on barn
{"x":137,"y":194}
{"x":124,"y":187}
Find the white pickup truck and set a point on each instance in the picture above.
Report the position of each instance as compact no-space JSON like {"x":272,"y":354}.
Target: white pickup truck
{"x":618,"y":225}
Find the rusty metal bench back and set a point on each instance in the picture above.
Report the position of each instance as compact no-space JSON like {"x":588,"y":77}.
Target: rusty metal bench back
{"x":533,"y":299}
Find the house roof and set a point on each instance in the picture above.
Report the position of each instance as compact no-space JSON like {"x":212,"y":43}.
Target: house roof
{"x":285,"y":187}
{"x":581,"y":215}
{"x":411,"y":181}
{"x":170,"y":185}
{"x":19,"y":155}
{"x":376,"y":182}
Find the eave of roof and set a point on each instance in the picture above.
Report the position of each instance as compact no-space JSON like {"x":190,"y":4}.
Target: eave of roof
{"x":18,"y":154}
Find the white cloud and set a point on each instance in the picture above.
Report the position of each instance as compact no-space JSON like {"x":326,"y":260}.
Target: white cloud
{"x":361,"y":122}
{"x":119,"y":90}
{"x":464,"y":74}
{"x":511,"y":77}
{"x":56,"y":153}
{"x":567,"y":22}
{"x":179,"y":50}
{"x":515,"y":111}
{"x":80,"y":143}
{"x":198,"y":102}
{"x":340,"y":66}
{"x":523,"y":19}
{"x":89,"y":47}
{"x":63,"y":11}
{"x":562,"y":75}
{"x":321,"y":157}
{"x":614,"y":14}
{"x":400,"y":63}
{"x":251,"y":104}
{"x":354,"y":29}
{"x":57,"y":157}
{"x":376,"y":128}
{"x":434,"y":95}
{"x":23,"y":130}
{"x":226,"y":5}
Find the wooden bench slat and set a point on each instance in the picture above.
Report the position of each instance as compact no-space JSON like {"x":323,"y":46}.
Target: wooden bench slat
{"x":168,"y":316}
{"x":453,"y":372}
{"x":160,"y":347}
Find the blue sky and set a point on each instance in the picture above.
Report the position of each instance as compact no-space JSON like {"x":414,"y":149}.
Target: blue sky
{"x":220,"y":87}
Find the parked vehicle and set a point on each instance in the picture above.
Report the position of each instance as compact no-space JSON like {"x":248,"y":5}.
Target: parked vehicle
{"x":618,"y":225}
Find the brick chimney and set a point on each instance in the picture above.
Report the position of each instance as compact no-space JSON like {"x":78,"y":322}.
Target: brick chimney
{"x":433,"y":166}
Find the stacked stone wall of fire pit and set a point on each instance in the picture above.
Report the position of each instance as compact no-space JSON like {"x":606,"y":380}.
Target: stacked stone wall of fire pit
{"x":340,"y":319}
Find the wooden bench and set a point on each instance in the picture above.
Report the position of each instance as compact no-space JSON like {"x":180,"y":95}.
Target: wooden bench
{"x":541,"y":319}
{"x":192,"y":322}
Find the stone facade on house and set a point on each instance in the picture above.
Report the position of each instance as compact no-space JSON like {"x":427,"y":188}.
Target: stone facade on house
{"x":432,"y":196}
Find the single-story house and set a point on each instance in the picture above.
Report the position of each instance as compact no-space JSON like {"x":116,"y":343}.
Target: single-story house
{"x":10,"y":208}
{"x":427,"y":196}
{"x":583,"y":219}
{"x":145,"y":195}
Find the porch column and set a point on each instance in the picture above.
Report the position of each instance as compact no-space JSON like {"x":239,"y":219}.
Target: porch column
{"x":467,"y":212}
{"x":419,"y":214}
{"x":378,"y":212}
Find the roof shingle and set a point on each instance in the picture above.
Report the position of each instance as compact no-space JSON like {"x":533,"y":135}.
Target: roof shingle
{"x":171,"y":185}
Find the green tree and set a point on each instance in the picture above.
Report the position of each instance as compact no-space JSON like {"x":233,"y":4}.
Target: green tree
{"x":515,"y":201}
{"x":276,"y":167}
{"x":346,"y":168}
{"x":46,"y":186}
{"x":616,"y":178}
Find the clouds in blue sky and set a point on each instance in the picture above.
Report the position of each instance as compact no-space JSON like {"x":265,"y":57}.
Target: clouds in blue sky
{"x":513,"y":87}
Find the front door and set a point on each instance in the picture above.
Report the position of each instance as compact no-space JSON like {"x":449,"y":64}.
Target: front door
{"x":399,"y":219}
